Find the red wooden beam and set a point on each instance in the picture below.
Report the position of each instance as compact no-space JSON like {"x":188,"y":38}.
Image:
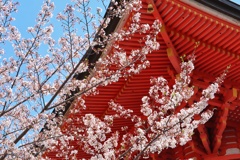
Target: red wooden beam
{"x":195,"y":148}
{"x":171,"y":51}
{"x":204,"y":138}
{"x":231,"y":95}
{"x":204,"y":44}
{"x":220,"y":128}
{"x":225,"y":157}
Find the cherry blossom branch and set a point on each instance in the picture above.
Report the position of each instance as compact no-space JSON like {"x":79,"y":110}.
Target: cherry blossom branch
{"x":29,"y":51}
{"x":93,"y":86}
{"x":160,"y":124}
{"x":46,"y":106}
{"x":157,"y":136}
{"x":32,"y":95}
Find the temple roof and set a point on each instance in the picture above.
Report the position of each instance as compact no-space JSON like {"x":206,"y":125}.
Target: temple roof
{"x":224,"y":6}
{"x":183,"y":26}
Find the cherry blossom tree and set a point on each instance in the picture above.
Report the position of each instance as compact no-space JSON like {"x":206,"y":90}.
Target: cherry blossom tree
{"x":36,"y":87}
{"x":160,"y":127}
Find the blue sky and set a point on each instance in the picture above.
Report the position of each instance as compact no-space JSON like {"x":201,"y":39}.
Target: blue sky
{"x":27,"y":13}
{"x":236,"y":1}
{"x":28,"y":10}
{"x":26,"y":16}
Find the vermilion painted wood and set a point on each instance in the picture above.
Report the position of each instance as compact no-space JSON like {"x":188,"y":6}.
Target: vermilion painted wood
{"x":219,"y":46}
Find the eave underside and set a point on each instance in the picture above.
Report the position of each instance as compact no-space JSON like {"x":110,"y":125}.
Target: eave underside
{"x":218,"y":42}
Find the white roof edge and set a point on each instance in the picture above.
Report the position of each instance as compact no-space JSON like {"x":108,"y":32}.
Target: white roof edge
{"x":212,"y":12}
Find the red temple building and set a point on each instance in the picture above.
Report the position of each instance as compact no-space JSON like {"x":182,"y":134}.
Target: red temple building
{"x":215,"y":26}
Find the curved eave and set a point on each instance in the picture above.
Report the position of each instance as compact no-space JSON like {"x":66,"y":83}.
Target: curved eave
{"x":219,"y":47}
{"x":224,"y":6}
{"x":226,"y":11}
